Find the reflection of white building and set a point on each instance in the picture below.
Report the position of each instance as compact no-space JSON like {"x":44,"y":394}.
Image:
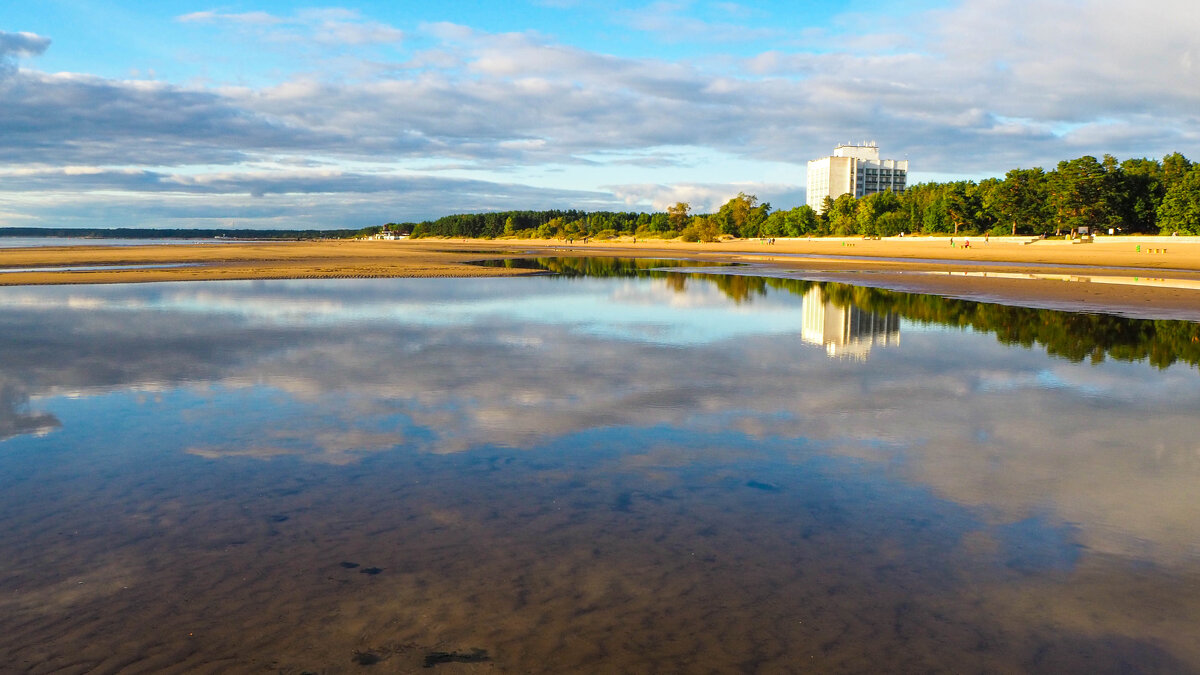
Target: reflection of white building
{"x":855,"y":170}
{"x":846,"y":331}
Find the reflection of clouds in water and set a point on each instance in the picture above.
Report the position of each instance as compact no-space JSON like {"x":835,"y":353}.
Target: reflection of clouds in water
{"x":997,"y":381}
{"x":1059,"y":377}
{"x":334,"y":446}
{"x":1116,"y":382}
{"x":647,"y":309}
{"x":15,"y":420}
{"x":1006,"y":430}
{"x":1016,"y":451}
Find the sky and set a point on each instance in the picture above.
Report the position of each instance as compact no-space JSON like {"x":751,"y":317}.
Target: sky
{"x":272,"y":114}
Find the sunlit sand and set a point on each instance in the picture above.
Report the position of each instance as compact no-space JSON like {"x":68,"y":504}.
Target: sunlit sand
{"x":1019,"y":270}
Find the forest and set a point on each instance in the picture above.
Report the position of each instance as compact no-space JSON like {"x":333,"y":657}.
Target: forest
{"x":1134,"y":196}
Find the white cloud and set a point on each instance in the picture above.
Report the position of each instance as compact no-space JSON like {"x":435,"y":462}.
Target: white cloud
{"x":330,"y":27}
{"x":22,"y":44}
{"x":13,"y":45}
{"x":251,"y":18}
{"x":976,"y":88}
{"x":279,"y":198}
{"x":703,"y":198}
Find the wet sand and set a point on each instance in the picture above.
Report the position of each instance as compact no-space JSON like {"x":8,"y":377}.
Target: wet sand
{"x":1147,"y":277}
{"x":534,"y":575}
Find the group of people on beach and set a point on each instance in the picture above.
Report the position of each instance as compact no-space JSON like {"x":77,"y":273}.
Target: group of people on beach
{"x":967,"y":240}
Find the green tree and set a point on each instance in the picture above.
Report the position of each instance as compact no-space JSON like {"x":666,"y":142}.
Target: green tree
{"x":678,"y":215}
{"x":872,"y":207}
{"x":551,"y":229}
{"x":775,"y":225}
{"x":986,"y":194}
{"x":891,"y":223}
{"x":1174,"y":168}
{"x":1022,"y":200}
{"x":702,"y":228}
{"x":801,"y":221}
{"x":842,"y":216}
{"x":1080,"y":193}
{"x":1141,"y":191}
{"x":660,"y":222}
{"x":741,"y":215}
{"x":1180,"y":208}
{"x":825,"y":216}
{"x":936,"y":217}
{"x":754,"y":222}
{"x":961,"y":205}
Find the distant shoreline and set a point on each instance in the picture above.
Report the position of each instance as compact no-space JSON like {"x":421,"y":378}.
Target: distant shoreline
{"x":1146,"y":277}
{"x":171,"y":233}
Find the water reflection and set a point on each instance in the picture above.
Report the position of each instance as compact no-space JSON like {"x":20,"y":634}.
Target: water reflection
{"x":15,"y":417}
{"x":1071,"y":335}
{"x":652,"y":472}
{"x":846,"y":330}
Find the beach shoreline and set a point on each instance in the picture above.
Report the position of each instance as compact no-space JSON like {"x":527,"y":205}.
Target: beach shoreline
{"x":1142,"y":277}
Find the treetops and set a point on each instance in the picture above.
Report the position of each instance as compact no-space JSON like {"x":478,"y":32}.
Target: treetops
{"x":1133,"y":196}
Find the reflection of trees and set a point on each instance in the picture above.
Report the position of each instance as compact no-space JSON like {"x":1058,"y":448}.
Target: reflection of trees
{"x":1069,"y":335}
{"x":677,"y":282}
{"x":739,"y":288}
{"x":594,"y":266}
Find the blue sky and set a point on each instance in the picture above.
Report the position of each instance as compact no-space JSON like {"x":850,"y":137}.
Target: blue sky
{"x":281,"y":114}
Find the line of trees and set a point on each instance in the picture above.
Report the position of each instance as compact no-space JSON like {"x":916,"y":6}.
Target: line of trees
{"x":1132,"y":196}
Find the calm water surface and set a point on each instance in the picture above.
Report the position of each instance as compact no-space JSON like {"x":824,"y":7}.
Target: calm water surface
{"x":658,"y":473}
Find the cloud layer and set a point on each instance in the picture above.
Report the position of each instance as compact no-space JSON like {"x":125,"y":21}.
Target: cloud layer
{"x":976,"y":88}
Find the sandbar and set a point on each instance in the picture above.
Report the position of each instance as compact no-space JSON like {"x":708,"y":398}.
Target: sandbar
{"x":1143,"y":277}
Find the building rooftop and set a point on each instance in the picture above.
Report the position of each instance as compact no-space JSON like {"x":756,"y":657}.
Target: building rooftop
{"x":867,"y":150}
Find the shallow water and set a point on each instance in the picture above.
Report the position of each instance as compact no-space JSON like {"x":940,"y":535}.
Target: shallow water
{"x":656,"y":473}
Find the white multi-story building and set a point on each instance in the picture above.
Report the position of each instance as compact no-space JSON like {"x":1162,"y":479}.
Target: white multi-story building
{"x":855,"y":170}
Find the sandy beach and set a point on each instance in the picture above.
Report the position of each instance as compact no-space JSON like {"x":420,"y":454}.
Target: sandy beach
{"x":1149,"y":277}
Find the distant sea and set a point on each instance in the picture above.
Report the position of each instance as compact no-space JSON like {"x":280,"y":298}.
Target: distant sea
{"x":34,"y":242}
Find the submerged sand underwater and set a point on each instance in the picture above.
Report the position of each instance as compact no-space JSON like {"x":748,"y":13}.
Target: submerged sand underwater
{"x":568,"y":474}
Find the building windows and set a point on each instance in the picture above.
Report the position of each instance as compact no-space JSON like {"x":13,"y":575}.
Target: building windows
{"x":854,"y":169}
